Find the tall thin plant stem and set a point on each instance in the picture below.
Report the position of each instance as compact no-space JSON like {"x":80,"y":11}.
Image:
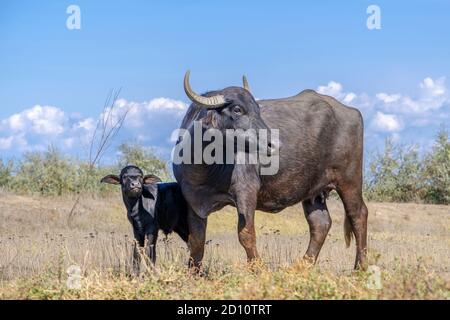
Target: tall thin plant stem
{"x":104,"y":133}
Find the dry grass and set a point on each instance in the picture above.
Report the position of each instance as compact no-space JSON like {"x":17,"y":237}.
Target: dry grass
{"x":409,"y":242}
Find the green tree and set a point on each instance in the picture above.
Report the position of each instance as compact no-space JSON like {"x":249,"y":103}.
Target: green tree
{"x":408,"y":176}
{"x":144,"y":158}
{"x":88,"y":179}
{"x":437,"y":170}
{"x":395,"y":174}
{"x":6,"y":169}
{"x":381,"y":178}
{"x":46,"y":173}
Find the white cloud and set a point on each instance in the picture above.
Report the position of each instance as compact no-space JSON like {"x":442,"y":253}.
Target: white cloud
{"x":87,"y":124}
{"x":395,"y":113}
{"x":432,"y":95}
{"x":433,"y":88}
{"x":336,"y":90}
{"x":5,"y":143}
{"x":17,"y":141}
{"x":44,"y":120}
{"x":16,"y":122}
{"x":68,"y":142}
{"x":386,"y":98}
{"x":386,"y":122}
{"x":333,"y":89}
{"x":146,"y":113}
{"x":152,"y":122}
{"x":165,"y":103}
{"x":349,"y":97}
{"x":38,"y":123}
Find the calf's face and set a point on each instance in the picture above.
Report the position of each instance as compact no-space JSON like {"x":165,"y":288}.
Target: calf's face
{"x":131,"y":180}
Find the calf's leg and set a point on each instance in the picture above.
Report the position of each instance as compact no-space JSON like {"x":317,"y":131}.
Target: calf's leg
{"x":137,"y":248}
{"x":151,"y":246}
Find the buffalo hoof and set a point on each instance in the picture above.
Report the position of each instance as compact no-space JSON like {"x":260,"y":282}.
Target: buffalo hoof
{"x":256,"y":265}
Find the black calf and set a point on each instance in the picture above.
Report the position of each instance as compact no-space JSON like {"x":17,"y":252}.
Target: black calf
{"x":151,"y":206}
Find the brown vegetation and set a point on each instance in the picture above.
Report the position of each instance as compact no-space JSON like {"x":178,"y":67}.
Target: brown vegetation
{"x":409,"y":242}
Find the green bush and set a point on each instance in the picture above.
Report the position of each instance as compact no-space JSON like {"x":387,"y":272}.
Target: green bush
{"x":436,"y":173}
{"x":88,"y":179}
{"x":143,"y":158}
{"x":46,"y":173}
{"x":399,"y":174}
{"x":50,"y":173}
{"x":5,"y":172}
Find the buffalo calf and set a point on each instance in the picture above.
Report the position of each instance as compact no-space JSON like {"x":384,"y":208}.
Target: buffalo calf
{"x":151,"y":206}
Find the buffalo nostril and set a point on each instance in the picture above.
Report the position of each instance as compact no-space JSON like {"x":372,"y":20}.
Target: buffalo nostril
{"x":135,"y":185}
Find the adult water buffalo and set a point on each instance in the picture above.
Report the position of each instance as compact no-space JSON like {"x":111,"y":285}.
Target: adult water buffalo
{"x":321,"y":149}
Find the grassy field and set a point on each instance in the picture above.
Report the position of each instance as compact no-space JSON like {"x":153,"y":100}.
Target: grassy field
{"x":410,"y":243}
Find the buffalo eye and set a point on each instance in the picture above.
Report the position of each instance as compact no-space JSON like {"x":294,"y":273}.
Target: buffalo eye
{"x":237,"y":110}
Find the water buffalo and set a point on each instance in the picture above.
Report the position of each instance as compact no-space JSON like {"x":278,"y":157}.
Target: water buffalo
{"x":151,"y":206}
{"x":320,"y":149}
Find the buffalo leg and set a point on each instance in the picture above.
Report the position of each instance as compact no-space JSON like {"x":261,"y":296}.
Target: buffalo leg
{"x":319,"y":221}
{"x":151,"y":247}
{"x":246,"y":197}
{"x":196,"y":240}
{"x":246,"y":225}
{"x":136,"y":262}
{"x":356,"y":219}
{"x":136,"y":259}
{"x":247,"y":236}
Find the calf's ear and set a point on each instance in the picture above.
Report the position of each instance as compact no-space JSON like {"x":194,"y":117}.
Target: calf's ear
{"x":111,"y":179}
{"x":151,"y":179}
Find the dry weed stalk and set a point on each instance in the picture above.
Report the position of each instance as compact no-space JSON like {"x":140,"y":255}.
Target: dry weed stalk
{"x":105,"y":131}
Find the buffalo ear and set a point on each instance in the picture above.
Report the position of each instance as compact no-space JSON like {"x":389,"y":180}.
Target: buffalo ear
{"x":151,"y":179}
{"x":111,"y":179}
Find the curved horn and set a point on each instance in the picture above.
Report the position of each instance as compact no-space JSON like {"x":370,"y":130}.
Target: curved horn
{"x":207,"y":102}
{"x":245,"y":83}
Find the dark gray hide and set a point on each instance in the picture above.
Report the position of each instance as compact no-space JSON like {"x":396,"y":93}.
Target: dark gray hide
{"x":321,"y":149}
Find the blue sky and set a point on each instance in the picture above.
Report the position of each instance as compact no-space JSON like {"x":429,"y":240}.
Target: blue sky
{"x":54,"y":80}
